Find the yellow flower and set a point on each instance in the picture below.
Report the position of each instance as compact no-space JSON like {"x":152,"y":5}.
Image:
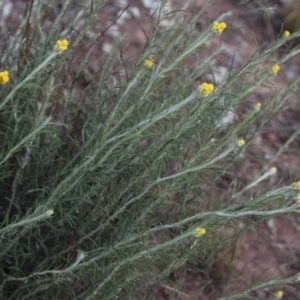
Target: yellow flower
{"x":279,"y":294}
{"x":149,"y":63}
{"x":206,"y":88}
{"x":50,"y":212}
{"x":241,"y":142}
{"x":274,"y":170}
{"x":218,"y":28}
{"x":200,"y":231}
{"x":297,"y":185}
{"x":275,"y":69}
{"x":61,"y":45}
{"x":257,"y":106}
{"x":286,"y":33}
{"x":4,"y":77}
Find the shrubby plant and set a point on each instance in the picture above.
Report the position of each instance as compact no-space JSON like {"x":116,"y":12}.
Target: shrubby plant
{"x":107,"y":193}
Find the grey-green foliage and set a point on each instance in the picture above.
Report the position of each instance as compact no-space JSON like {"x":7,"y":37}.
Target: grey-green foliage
{"x":136,"y":177}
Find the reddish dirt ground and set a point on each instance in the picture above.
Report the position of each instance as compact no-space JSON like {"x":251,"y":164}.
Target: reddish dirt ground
{"x":272,"y":250}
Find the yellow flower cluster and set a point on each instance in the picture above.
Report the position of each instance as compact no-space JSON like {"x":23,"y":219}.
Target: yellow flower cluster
{"x":200,"y":231}
{"x":279,"y":294}
{"x":219,"y":27}
{"x":50,"y":212}
{"x":241,"y":142}
{"x":257,"y":106}
{"x":297,"y":185}
{"x":275,"y":69}
{"x":61,"y":45}
{"x":149,"y":63}
{"x":4,"y":77}
{"x":273,"y":169}
{"x":206,"y":88}
{"x":286,"y":33}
